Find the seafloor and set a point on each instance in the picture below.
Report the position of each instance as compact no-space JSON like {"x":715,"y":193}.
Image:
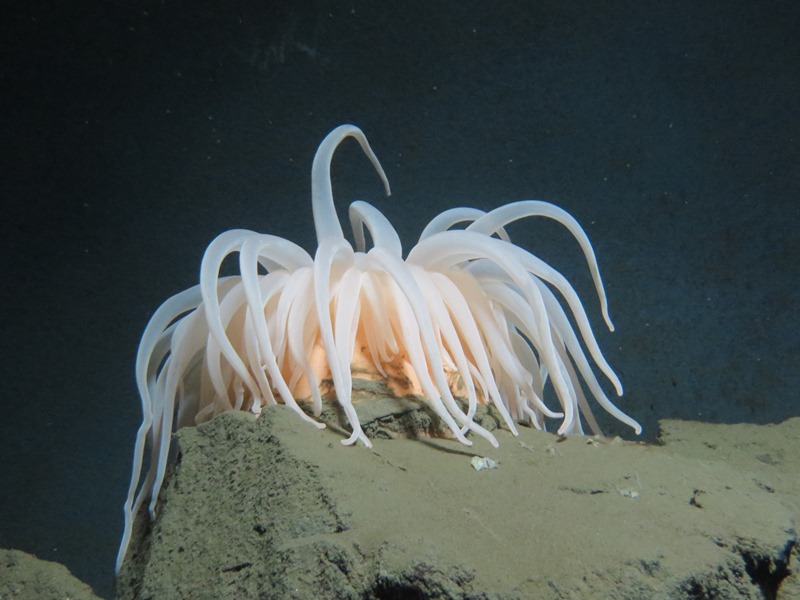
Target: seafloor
{"x":272,"y":507}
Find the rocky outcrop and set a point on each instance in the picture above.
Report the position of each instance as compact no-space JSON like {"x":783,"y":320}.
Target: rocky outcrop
{"x":273,"y":508}
{"x":25,"y":577}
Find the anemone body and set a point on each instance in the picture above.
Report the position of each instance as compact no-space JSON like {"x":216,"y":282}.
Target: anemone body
{"x":466,"y":314}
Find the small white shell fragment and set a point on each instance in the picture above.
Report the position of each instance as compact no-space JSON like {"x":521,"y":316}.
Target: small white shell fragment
{"x":479,"y":463}
{"x":629,"y":493}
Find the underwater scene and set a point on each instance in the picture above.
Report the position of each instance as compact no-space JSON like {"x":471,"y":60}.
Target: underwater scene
{"x":401,"y":300}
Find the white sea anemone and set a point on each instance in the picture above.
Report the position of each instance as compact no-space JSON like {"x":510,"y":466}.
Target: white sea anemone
{"x":467,"y":314}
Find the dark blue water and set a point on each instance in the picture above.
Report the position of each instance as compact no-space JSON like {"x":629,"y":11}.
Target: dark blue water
{"x":131,"y":137}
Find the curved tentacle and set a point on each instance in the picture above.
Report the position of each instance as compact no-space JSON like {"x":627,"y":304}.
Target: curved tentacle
{"x":326,"y":222}
{"x":445,"y":220}
{"x":363,"y":214}
{"x":514,"y":211}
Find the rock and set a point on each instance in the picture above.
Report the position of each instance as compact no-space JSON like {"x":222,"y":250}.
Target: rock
{"x":25,"y":577}
{"x":271,"y":507}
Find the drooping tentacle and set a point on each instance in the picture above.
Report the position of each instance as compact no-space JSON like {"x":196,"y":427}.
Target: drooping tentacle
{"x":326,"y":222}
{"x":363,"y":214}
{"x":503,"y":215}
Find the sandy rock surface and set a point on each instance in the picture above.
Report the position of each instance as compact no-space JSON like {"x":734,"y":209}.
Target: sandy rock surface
{"x":25,"y":577}
{"x":271,"y":507}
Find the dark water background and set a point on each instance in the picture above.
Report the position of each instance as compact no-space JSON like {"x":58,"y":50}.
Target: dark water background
{"x":132,"y":135}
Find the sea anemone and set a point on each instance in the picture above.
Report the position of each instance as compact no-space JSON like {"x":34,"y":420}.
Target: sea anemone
{"x":466,"y":315}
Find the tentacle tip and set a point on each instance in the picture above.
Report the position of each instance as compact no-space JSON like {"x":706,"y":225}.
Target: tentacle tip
{"x":355,"y":437}
{"x":566,"y":428}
